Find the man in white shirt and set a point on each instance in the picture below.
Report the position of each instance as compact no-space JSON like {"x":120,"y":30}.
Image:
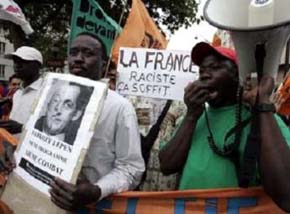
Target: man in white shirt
{"x":27,"y":64}
{"x":113,"y":162}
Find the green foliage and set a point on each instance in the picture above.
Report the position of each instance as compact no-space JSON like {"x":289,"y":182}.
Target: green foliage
{"x":174,"y":13}
{"x":169,"y":13}
{"x":51,"y":19}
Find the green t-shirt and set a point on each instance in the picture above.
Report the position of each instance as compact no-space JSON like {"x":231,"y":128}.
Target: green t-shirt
{"x":205,"y":169}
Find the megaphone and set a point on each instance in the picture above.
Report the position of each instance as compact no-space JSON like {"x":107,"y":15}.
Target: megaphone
{"x":253,"y":23}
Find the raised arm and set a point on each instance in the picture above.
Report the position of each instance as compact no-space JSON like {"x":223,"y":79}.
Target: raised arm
{"x":173,"y":156}
{"x":274,"y":164}
{"x":275,"y":151}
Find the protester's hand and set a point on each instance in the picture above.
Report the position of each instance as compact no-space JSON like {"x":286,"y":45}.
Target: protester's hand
{"x":11,"y":126}
{"x":265,"y":89}
{"x":250,"y":92}
{"x":72,"y":197}
{"x":7,"y":161}
{"x":195,"y":96}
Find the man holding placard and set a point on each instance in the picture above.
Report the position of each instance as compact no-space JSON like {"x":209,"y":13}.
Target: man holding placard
{"x":113,"y":162}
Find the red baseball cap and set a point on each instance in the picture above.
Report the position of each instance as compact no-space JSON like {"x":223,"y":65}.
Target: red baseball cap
{"x":203,"y":49}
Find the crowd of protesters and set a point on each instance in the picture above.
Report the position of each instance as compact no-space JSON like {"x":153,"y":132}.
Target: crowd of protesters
{"x":190,"y":146}
{"x":6,"y":95}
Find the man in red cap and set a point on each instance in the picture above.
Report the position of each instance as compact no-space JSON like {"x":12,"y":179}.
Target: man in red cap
{"x":210,"y":144}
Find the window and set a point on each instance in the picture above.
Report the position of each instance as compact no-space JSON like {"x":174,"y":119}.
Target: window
{"x":2,"y":71}
{"x":2,"y":48}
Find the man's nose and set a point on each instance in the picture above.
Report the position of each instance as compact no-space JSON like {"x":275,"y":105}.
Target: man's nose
{"x":79,"y":57}
{"x":57,"y":108}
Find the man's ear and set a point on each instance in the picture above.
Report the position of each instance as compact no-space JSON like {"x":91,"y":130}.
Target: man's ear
{"x":77,"y":115}
{"x":104,"y":68}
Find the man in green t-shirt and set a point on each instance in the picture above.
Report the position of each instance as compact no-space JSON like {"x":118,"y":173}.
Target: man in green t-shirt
{"x":209,"y":146}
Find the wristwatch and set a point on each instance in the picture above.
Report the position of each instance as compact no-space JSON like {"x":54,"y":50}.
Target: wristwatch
{"x":265,"y":107}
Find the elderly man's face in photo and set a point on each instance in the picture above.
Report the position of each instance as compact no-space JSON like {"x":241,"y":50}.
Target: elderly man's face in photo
{"x":62,"y":109}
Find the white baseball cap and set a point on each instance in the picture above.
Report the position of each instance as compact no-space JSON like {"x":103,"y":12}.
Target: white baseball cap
{"x":26,"y":53}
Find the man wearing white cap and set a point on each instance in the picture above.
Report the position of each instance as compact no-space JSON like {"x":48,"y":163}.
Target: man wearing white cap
{"x":27,"y":63}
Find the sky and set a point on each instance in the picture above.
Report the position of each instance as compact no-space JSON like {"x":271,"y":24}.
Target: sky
{"x":185,"y":39}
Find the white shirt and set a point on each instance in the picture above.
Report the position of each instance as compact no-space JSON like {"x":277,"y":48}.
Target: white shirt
{"x":23,"y":101}
{"x":114,"y":161}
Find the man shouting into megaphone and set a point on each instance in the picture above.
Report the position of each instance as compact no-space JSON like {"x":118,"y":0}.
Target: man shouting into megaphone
{"x":209,"y":147}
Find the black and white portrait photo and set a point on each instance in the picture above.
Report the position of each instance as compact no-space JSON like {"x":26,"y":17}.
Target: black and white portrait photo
{"x":62,"y":113}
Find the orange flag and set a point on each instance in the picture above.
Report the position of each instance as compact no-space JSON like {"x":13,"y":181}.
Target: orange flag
{"x":282,"y":97}
{"x":216,"y":41}
{"x":222,"y":38}
{"x":5,"y":136}
{"x":140,"y":31}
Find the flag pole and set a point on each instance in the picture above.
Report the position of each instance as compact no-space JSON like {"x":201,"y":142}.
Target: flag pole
{"x":119,"y":22}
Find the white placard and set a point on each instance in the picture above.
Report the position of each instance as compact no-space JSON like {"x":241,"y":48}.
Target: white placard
{"x":155,"y":73}
{"x":59,"y":131}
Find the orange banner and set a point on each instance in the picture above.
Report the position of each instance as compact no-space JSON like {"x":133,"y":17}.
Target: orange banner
{"x":140,"y":31}
{"x":216,"y":41}
{"x":212,"y":201}
{"x":222,"y":38}
{"x":282,"y":98}
{"x":5,"y":136}
{"x":206,"y":201}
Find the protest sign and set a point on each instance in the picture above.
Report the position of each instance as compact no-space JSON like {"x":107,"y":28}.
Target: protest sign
{"x":56,"y":138}
{"x":155,"y":73}
{"x":146,"y":35}
{"x":89,"y":17}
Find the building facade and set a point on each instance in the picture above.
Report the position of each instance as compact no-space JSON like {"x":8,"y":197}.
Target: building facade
{"x":6,"y":65}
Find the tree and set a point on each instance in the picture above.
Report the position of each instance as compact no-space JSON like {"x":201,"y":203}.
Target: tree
{"x":51,"y":20}
{"x":169,"y":13}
